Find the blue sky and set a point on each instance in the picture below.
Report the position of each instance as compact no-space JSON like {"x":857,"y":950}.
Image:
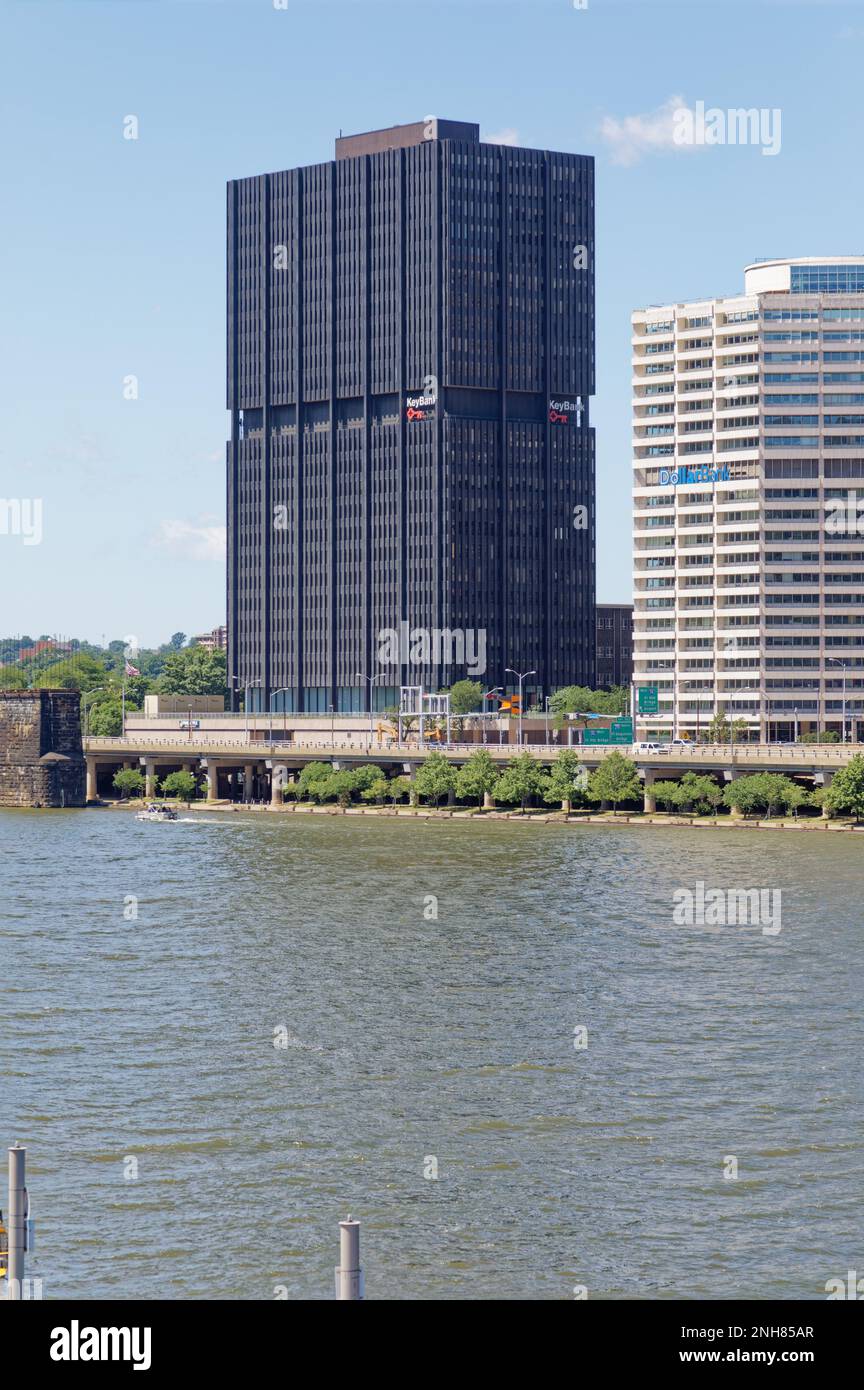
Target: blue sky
{"x":113,"y":249}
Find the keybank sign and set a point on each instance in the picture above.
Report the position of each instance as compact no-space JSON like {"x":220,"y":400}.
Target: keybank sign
{"x":561,"y":412}
{"x":671,"y":477}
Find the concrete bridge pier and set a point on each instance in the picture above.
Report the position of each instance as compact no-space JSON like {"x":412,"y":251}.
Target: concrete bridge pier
{"x":731,"y":774}
{"x":410,"y":770}
{"x":149,"y":777}
{"x":209,"y":767}
{"x":649,"y":777}
{"x":92,"y":793}
{"x":278,"y":779}
{"x":823,"y":777}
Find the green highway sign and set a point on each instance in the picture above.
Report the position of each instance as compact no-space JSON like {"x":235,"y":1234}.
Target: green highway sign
{"x":596,"y":736}
{"x":648,"y":700}
{"x":620,"y":731}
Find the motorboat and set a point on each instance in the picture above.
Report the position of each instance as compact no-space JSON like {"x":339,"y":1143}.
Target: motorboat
{"x":156,"y":812}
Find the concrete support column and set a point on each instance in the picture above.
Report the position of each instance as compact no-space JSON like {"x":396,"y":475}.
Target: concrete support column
{"x":212,"y":780}
{"x":248,"y":775}
{"x":92,"y":793}
{"x":149,"y":778}
{"x":278,"y":777}
{"x":410,"y":770}
{"x":825,"y":779}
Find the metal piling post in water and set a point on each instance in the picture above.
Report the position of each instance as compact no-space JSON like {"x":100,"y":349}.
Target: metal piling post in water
{"x":349,"y":1275}
{"x":17,"y":1217}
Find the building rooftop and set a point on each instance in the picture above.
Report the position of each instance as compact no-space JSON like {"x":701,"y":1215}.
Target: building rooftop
{"x":399,"y":137}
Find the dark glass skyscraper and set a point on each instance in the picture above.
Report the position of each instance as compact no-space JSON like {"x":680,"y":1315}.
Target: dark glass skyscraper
{"x":411,"y":465}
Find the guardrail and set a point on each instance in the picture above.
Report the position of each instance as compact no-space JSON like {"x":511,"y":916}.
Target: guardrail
{"x":200,"y":745}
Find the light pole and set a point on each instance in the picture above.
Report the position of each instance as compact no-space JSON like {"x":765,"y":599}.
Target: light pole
{"x":370,"y":681}
{"x":838,"y":662}
{"x":730,"y":718}
{"x":490,"y":695}
{"x":280,"y":691}
{"x":547,"y":698}
{"x":332,"y":726}
{"x":758,"y":694}
{"x":248,"y":686}
{"x":94,"y":691}
{"x":522,"y":675}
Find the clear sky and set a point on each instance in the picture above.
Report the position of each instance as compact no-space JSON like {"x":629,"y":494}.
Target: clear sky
{"x":113,"y":249}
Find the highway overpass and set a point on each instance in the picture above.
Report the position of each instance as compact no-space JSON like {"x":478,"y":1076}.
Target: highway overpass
{"x":236,"y":767}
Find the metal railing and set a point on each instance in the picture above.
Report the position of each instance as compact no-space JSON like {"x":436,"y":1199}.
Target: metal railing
{"x":201,"y":744}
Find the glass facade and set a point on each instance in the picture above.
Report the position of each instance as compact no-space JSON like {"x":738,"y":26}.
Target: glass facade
{"x":827,"y":279}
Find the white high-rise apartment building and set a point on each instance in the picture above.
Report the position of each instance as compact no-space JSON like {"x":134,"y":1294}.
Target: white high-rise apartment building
{"x":748,"y":469}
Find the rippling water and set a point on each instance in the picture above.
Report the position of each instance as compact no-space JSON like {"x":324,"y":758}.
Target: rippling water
{"x":411,"y":1039}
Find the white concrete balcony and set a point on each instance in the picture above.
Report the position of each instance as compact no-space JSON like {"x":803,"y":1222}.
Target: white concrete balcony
{"x":653,"y":377}
{"x":683,"y":437}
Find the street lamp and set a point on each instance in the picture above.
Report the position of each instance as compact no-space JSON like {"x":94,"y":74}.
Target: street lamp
{"x":248,"y":686}
{"x":490,"y":695}
{"x":93,"y":691}
{"x":370,"y":681}
{"x":332,"y":726}
{"x":522,"y":675}
{"x":279,"y":691}
{"x":838,"y":662}
{"x":729,"y":716}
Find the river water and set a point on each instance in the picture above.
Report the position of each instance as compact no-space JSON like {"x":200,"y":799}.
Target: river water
{"x":174,"y":1151}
